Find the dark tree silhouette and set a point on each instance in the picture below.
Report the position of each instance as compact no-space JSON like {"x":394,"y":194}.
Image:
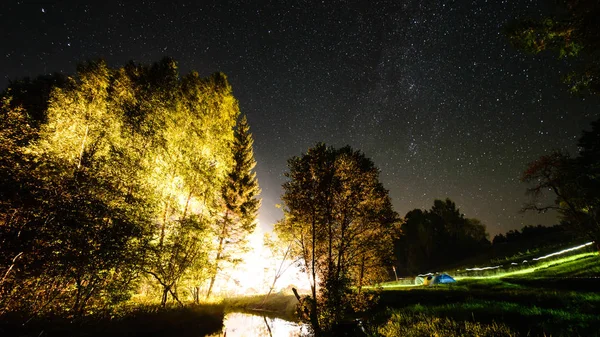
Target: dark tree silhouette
{"x":437,"y":237}
{"x":574,"y":182}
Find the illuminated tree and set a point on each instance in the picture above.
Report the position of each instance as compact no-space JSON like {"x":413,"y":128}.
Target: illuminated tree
{"x":121,"y":172}
{"x":80,"y":235}
{"x":240,"y":203}
{"x":341,"y":219}
{"x":190,"y":165}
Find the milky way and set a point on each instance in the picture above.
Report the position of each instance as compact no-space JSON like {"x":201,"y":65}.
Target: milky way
{"x":431,"y":91}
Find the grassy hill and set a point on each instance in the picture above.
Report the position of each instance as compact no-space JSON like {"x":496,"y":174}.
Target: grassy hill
{"x":558,"y":296}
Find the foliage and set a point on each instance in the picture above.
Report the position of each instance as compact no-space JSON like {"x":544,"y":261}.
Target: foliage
{"x":575,"y":183}
{"x":531,"y":234}
{"x":437,"y":237}
{"x":118,"y":175}
{"x":572,"y":31}
{"x":341,"y":221}
{"x":64,"y":213}
{"x":33,"y":95}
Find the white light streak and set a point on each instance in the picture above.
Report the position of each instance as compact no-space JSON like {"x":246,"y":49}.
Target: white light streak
{"x":562,"y":251}
{"x":484,"y":268}
{"x":524,"y":261}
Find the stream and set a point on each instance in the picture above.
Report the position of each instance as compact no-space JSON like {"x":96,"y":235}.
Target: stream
{"x":236,"y":324}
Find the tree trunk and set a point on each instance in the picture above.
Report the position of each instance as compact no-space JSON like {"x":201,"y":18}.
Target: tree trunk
{"x":164,"y":224}
{"x":196,"y":292}
{"x":220,"y":249}
{"x":214,"y":276}
{"x":77,"y":296}
{"x":174,"y":294}
{"x":278,"y":273}
{"x":165,"y":296}
{"x":10,"y":268}
{"x":187,"y":204}
{"x":314,"y":314}
{"x":362,"y":274}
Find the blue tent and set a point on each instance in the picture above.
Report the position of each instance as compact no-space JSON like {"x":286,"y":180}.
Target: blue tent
{"x":442,"y":279}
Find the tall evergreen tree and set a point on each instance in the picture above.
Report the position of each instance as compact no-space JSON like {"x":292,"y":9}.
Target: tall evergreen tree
{"x":240,"y":202}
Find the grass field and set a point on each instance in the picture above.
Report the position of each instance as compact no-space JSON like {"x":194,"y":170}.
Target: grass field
{"x":553,"y":298}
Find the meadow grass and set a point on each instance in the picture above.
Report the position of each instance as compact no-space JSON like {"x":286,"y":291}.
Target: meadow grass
{"x":546,"y":300}
{"x":565,"y":267}
{"x":410,"y":325}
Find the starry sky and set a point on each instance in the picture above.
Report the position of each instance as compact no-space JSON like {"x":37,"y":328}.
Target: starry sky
{"x":431,"y":91}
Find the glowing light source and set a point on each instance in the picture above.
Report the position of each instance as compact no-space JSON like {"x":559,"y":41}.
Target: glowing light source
{"x":254,"y":275}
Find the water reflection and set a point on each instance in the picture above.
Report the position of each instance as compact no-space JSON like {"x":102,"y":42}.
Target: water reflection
{"x":237,"y":324}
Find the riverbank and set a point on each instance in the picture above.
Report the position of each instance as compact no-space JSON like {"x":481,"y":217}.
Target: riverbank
{"x":279,"y":305}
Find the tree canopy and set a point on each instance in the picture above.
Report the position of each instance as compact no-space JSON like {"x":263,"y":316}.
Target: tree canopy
{"x":341,"y":221}
{"x":112,"y":181}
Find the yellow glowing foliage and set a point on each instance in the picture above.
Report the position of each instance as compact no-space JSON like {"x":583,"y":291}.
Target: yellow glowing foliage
{"x":80,"y":121}
{"x":158,"y":138}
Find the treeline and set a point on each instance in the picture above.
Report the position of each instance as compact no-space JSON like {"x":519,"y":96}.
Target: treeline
{"x":437,"y":237}
{"x":442,"y":238}
{"x":118,"y":181}
{"x":534,"y":239}
{"x":535,"y":236}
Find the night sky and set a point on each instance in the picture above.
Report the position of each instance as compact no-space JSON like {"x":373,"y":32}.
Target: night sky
{"x":431,"y":91}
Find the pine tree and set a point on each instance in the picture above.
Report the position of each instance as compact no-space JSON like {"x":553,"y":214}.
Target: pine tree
{"x":240,"y":201}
